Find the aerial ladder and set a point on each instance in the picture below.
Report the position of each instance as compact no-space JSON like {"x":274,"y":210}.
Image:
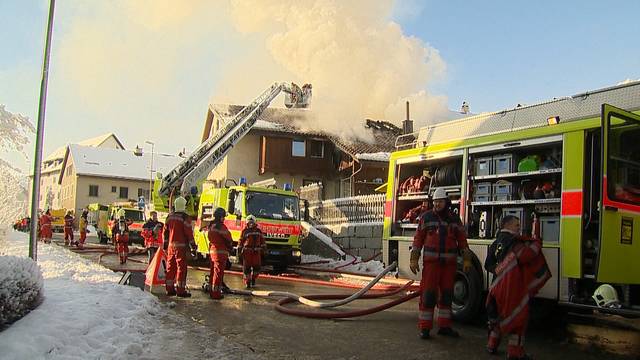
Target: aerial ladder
{"x":197,"y":166}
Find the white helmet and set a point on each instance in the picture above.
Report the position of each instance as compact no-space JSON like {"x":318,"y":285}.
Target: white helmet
{"x":251,"y":219}
{"x":439,"y":194}
{"x":179,"y":204}
{"x":606,"y":296}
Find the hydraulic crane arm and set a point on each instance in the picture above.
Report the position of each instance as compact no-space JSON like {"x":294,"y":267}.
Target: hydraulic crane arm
{"x":212,"y":151}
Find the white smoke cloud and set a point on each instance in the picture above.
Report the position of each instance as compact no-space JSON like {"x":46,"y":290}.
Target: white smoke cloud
{"x":360,"y":63}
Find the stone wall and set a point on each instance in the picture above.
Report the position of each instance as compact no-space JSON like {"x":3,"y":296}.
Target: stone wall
{"x":363,"y":240}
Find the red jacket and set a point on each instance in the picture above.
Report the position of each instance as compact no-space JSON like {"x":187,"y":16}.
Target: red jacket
{"x":219,"y":239}
{"x":177,"y":230}
{"x":252,"y":239}
{"x":45,"y":221}
{"x":151,"y":233}
{"x":518,"y":277}
{"x":440,"y":237}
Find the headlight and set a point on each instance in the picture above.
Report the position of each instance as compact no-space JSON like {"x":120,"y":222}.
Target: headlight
{"x":296,"y":253}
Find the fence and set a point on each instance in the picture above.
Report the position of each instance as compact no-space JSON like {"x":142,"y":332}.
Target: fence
{"x":355,"y":209}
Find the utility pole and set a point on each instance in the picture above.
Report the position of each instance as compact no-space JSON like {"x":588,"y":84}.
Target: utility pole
{"x":151,"y":172}
{"x":35,"y":200}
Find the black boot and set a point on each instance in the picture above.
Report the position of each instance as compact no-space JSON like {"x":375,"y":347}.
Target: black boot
{"x":447,"y":331}
{"x":424,"y":334}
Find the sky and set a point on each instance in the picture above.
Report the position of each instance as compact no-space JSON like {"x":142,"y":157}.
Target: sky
{"x":146,"y":70}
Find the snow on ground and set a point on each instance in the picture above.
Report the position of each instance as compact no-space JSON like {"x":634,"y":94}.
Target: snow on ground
{"x":86,"y":314}
{"x":372,"y":267}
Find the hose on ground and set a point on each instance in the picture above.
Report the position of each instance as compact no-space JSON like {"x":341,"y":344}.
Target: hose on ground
{"x":317,"y":304}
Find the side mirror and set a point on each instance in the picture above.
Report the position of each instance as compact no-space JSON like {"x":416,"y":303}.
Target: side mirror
{"x":306,"y":210}
{"x":232,"y":201}
{"x":238,"y":216}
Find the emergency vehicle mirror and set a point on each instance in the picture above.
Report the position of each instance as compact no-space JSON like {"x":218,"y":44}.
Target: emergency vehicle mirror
{"x":232,"y":201}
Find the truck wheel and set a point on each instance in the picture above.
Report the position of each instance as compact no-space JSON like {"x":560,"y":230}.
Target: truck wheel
{"x":467,"y":295}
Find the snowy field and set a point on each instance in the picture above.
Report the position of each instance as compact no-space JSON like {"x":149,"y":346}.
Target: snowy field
{"x":87,"y":315}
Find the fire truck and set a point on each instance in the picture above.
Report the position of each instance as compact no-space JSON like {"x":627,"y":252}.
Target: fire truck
{"x":277,"y":211}
{"x":103,"y":217}
{"x":569,"y":168}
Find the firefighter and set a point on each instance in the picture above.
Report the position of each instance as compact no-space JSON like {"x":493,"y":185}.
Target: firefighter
{"x":520,"y":270}
{"x":220,"y":244}
{"x":178,"y":237}
{"x":68,"y":228}
{"x":251,"y":247}
{"x":120,"y":237}
{"x":45,"y":227}
{"x":151,"y":231}
{"x":82,"y":226}
{"x":440,"y":238}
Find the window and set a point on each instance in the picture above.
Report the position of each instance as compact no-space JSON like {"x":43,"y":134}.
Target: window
{"x":316,"y":149}
{"x":237,"y":209}
{"x":69,"y":170}
{"x":272,"y":206}
{"x":297,"y":148}
{"x":623,"y":163}
{"x":144,"y":193}
{"x":124,"y":192}
{"x":93,"y":190}
{"x":114,"y":189}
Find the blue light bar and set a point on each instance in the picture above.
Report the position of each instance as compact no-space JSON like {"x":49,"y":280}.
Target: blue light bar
{"x":243,"y":181}
{"x":287,"y":187}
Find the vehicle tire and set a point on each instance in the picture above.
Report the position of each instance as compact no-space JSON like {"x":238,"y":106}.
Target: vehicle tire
{"x":467,"y":295}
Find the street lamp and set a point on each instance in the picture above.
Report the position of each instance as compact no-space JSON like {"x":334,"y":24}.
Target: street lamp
{"x":150,"y":171}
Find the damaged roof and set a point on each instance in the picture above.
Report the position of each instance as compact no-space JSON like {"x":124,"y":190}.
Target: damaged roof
{"x":292,"y":121}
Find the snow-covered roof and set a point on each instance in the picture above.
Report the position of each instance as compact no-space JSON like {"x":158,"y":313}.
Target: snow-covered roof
{"x":95,"y":141}
{"x":379,"y":156}
{"x":116,"y":163}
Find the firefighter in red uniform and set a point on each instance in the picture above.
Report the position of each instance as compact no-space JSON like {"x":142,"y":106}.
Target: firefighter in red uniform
{"x":68,"y":228}
{"x":45,"y":227}
{"x":120,"y":237}
{"x":520,"y":271}
{"x":220,"y":244}
{"x":151,"y":231}
{"x":251,"y":247}
{"x":440,"y":238}
{"x":178,"y":238}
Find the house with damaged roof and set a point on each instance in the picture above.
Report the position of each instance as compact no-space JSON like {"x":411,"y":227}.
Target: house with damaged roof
{"x":279,"y":146}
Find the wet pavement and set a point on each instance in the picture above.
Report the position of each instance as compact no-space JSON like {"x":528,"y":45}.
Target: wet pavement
{"x":256,"y":330}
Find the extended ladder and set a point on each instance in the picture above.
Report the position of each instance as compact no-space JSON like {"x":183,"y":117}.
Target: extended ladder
{"x":212,"y":151}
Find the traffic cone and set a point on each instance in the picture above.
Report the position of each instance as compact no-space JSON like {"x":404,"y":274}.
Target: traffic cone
{"x":155,"y":274}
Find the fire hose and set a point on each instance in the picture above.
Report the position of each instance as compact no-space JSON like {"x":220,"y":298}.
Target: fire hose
{"x":341,"y":299}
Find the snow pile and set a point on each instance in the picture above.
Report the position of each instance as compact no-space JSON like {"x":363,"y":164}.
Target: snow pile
{"x":15,"y":130}
{"x":20,"y":287}
{"x":379,"y":156}
{"x":372,"y":267}
{"x":86,"y":314}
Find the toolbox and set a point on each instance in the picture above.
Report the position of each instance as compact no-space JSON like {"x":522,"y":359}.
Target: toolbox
{"x":503,"y":164}
{"x":483,"y":166}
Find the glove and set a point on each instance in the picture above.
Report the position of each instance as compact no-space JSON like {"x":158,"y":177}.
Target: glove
{"x":466,"y":260}
{"x":413,"y":262}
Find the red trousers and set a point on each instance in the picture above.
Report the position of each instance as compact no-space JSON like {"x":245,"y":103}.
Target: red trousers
{"x":515,"y":346}
{"x":251,"y":263}
{"x":216,"y":272}
{"x":122,"y":246}
{"x":176,"y":280}
{"x":436,"y":286}
{"x":46,"y":234}
{"x":68,"y":235}
{"x":83,"y":237}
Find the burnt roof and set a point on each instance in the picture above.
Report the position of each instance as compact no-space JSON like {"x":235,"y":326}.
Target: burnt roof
{"x":292,"y":121}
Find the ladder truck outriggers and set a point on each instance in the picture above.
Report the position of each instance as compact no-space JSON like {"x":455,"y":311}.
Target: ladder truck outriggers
{"x":277,"y":211}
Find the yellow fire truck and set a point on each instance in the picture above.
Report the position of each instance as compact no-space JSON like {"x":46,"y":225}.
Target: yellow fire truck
{"x":569,"y":166}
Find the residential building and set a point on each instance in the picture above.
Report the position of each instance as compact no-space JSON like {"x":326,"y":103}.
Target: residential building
{"x":105,"y":175}
{"x":277,"y":147}
{"x":51,"y":165}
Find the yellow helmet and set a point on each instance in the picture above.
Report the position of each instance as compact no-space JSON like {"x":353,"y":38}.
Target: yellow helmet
{"x":179,"y":204}
{"x":606,"y":296}
{"x":121,"y":213}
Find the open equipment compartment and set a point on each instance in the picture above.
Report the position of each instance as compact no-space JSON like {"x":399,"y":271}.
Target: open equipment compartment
{"x":417,"y":181}
{"x":521,"y":179}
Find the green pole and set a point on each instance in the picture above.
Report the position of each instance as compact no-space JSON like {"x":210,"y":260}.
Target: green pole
{"x":35,"y":199}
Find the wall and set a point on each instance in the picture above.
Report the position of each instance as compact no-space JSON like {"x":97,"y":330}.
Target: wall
{"x":243,"y":161}
{"x":363,"y":240}
{"x":111,"y":142}
{"x":105,"y":196}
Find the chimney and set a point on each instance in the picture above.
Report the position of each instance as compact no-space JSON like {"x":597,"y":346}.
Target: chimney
{"x":137,"y":151}
{"x":407,"y":124}
{"x":465,"y":108}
